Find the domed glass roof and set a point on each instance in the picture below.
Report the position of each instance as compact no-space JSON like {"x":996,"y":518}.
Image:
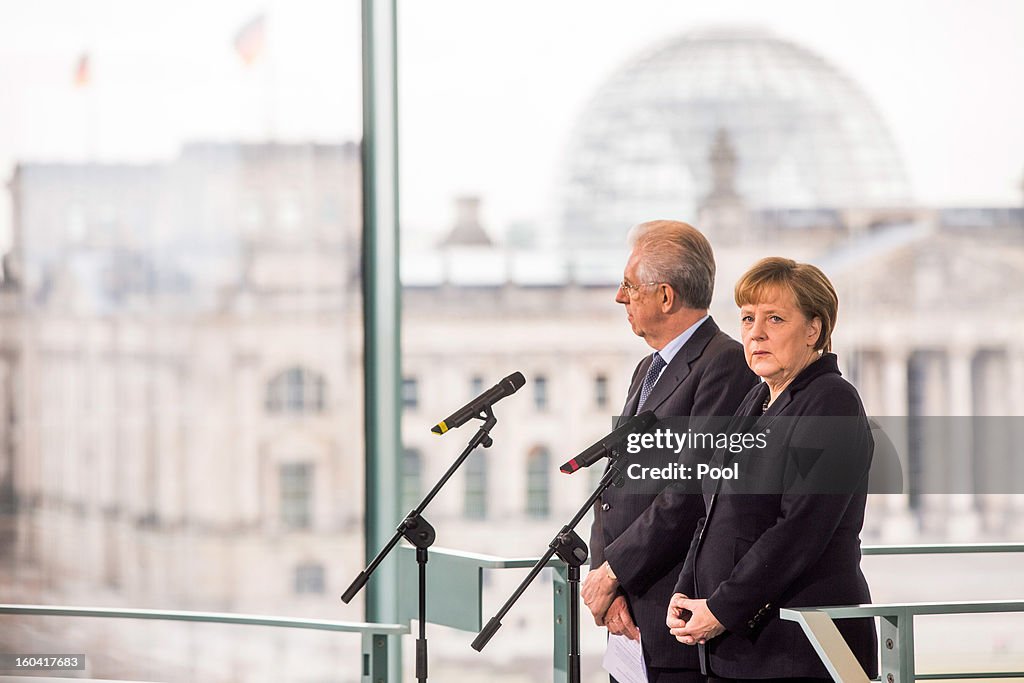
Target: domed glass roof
{"x":805,"y":136}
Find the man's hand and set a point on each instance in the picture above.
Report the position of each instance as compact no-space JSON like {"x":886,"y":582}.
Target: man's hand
{"x":619,"y":621}
{"x":677,"y":616}
{"x":690,"y":621}
{"x":598,"y":590}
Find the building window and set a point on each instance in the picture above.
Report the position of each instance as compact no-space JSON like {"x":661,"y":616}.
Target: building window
{"x":289,"y":212}
{"x":475,"y":501}
{"x":296,"y":495}
{"x":330,"y":210}
{"x":251,"y":212}
{"x":538,"y":484}
{"x":410,"y":393}
{"x":309,"y":578}
{"x":76,"y":224}
{"x":601,"y":391}
{"x":412,"y":478}
{"x":296,"y":390}
{"x":540,"y":392}
{"x":107,"y":224}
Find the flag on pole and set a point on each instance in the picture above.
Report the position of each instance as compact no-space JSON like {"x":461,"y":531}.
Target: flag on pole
{"x":250,"y":39}
{"x":83,"y":74}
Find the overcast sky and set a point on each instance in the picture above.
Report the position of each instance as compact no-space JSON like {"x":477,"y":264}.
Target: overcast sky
{"x":489,"y":90}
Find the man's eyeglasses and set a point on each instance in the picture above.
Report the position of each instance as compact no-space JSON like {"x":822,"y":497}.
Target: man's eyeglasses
{"x":633,"y":290}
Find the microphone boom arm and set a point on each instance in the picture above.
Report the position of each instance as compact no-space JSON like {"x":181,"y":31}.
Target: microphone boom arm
{"x":571,"y":549}
{"x":421,"y":534}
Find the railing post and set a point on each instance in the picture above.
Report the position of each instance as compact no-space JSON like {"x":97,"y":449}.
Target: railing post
{"x":560,"y":587}
{"x":897,"y":646}
{"x":375,"y":658}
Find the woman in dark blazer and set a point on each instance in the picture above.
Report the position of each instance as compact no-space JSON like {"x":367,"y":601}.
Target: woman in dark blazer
{"x":786,"y":531}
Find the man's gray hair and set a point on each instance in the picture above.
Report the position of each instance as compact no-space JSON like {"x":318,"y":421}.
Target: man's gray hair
{"x":678,"y":254}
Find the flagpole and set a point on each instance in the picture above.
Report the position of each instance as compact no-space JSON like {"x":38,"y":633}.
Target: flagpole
{"x":250,"y":44}
{"x":269,"y":87}
{"x":82,"y":82}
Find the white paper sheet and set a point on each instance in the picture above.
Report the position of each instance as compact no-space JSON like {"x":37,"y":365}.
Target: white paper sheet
{"x":624,"y":659}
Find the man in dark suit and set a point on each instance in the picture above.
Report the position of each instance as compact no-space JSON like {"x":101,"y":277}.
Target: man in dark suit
{"x":638,"y":541}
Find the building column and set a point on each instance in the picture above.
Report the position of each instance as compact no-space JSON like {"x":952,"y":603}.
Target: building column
{"x":964,"y":520}
{"x":248,"y":399}
{"x":899,"y":525}
{"x":1015,"y":408}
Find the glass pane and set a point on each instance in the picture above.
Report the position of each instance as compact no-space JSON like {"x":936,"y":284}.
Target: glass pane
{"x":530,"y":147}
{"x":180,"y":326}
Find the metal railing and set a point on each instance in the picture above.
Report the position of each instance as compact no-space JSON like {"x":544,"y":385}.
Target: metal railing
{"x":942,"y":549}
{"x":896,"y":621}
{"x":896,"y":636}
{"x":376,"y":643}
{"x":453,"y":572}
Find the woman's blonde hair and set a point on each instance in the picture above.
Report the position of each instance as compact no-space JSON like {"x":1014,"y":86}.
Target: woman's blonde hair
{"x":815,"y":296}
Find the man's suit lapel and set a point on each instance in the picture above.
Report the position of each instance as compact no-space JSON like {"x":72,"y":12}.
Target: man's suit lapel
{"x":679,"y":369}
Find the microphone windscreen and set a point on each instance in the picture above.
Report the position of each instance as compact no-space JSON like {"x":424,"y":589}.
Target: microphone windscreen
{"x":569,"y":467}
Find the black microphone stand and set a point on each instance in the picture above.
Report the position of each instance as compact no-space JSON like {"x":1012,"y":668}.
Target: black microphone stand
{"x":571,"y":549}
{"x":421,"y":534}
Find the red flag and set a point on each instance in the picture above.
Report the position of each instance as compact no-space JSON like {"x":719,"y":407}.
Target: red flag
{"x":83,"y":74}
{"x":250,"y":39}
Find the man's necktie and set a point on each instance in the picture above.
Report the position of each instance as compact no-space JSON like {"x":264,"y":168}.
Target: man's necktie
{"x":657,"y":363}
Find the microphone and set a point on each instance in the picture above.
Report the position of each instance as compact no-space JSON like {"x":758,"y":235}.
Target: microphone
{"x":600,"y":449}
{"x":505,"y":387}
